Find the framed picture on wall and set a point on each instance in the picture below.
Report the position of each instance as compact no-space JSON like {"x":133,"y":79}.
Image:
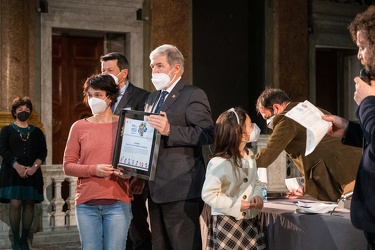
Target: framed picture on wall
{"x":137,"y":145}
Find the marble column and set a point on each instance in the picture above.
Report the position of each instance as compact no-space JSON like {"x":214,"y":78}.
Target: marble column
{"x":287,"y":47}
{"x":17,"y":18}
{"x":170,"y":23}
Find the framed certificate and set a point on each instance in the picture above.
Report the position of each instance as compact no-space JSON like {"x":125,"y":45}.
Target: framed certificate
{"x":137,"y":145}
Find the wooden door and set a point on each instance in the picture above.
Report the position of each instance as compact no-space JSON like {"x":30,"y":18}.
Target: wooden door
{"x":73,"y":60}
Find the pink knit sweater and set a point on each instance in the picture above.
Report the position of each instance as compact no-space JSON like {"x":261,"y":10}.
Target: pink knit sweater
{"x":88,"y":145}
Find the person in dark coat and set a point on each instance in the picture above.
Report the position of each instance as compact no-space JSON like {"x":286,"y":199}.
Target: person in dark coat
{"x":23,"y":149}
{"x":362,"y":134}
{"x":185,"y":125}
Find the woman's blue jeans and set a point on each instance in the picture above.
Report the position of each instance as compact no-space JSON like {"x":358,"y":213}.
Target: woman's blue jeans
{"x":104,"y":227}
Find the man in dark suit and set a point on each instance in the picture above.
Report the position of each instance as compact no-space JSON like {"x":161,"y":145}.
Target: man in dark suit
{"x":186,"y":125}
{"x":133,"y":98}
{"x":362,"y":134}
{"x":130,"y":96}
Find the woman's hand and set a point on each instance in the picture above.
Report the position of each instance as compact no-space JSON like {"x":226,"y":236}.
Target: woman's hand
{"x":21,"y":170}
{"x":31,"y":171}
{"x":120,"y":174}
{"x":104,"y":170}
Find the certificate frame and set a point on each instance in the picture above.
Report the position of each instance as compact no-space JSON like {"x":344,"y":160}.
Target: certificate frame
{"x":137,"y":145}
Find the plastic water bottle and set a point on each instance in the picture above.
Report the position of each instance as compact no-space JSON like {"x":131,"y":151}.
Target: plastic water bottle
{"x":264,"y":191}
{"x":262,"y":173}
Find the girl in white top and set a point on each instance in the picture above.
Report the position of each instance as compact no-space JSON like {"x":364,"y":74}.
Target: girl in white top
{"x":232,"y":188}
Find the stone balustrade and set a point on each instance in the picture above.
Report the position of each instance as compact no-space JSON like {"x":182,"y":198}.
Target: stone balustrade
{"x":54,"y":220}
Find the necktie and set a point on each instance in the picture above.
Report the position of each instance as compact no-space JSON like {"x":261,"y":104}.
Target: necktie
{"x":117,"y":101}
{"x":161,"y":100}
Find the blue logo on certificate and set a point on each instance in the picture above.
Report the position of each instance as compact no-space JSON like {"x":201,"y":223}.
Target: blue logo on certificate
{"x":142,"y":128}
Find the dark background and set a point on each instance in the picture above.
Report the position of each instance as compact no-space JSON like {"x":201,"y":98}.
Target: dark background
{"x":228,"y":64}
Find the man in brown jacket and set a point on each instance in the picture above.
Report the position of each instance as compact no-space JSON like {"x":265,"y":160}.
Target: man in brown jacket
{"x":327,"y":170}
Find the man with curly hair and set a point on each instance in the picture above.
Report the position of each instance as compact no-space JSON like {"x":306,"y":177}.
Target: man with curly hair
{"x":362,"y":212}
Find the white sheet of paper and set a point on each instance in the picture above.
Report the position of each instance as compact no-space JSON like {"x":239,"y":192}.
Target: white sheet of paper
{"x":318,"y":208}
{"x":309,"y":116}
{"x":294,"y":183}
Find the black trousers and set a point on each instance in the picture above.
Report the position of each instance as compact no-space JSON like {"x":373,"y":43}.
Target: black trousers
{"x":175,"y":225}
{"x":370,"y":240}
{"x":139,"y":237}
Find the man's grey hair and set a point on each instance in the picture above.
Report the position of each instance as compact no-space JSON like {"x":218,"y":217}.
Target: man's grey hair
{"x":173,"y":55}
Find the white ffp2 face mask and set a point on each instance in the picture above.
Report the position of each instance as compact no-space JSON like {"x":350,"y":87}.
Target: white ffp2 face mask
{"x":254,"y":136}
{"x":161,"y":80}
{"x":97,"y":105}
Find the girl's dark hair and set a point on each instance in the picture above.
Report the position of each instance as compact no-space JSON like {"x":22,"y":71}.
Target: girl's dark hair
{"x":101,"y":82}
{"x":228,"y":135}
{"x":18,"y":101}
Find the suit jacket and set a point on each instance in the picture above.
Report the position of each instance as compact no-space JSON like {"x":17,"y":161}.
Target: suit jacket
{"x":362,"y":206}
{"x":326,"y":170}
{"x":180,"y":170}
{"x":133,"y":98}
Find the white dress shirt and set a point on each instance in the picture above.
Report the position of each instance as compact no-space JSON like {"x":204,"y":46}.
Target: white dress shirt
{"x":122,"y":91}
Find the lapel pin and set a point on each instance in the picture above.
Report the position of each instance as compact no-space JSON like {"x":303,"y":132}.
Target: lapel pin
{"x":173,"y":96}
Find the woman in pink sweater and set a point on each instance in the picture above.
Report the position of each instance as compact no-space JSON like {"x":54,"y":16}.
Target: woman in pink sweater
{"x":103,"y":208}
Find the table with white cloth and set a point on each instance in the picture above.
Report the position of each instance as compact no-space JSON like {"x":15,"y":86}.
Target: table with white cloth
{"x":287,"y":229}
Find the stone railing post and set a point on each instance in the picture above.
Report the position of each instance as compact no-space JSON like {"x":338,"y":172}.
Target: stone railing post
{"x":48,"y":201}
{"x":59,"y":203}
{"x":71,"y":201}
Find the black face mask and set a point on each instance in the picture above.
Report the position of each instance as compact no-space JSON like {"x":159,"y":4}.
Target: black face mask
{"x":23,"y":116}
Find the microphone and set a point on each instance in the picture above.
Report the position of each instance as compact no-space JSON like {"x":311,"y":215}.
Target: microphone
{"x":365,"y":76}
